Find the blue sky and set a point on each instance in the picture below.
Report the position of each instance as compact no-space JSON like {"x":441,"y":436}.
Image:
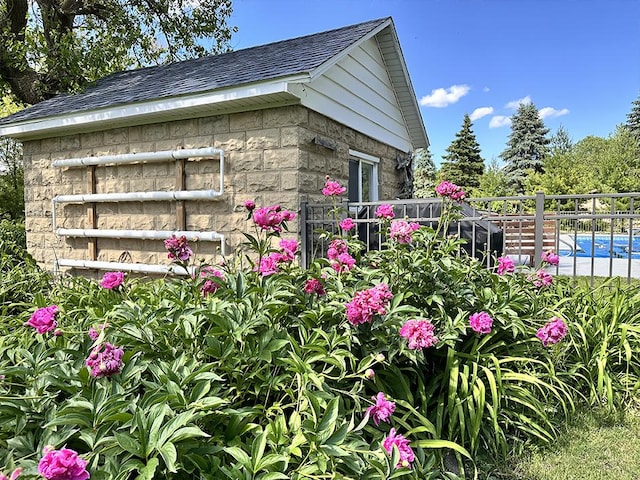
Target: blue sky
{"x":577,"y":60}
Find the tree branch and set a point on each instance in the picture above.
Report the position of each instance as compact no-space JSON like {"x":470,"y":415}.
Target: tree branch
{"x":25,"y":82}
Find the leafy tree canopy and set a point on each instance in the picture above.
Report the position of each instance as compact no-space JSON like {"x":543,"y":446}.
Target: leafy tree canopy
{"x":527,"y":147}
{"x":53,"y":46}
{"x":604,"y":165}
{"x":493,"y":183}
{"x":11,"y":168}
{"x":463,"y":164}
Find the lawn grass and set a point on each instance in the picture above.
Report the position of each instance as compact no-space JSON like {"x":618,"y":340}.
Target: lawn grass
{"x":594,"y":446}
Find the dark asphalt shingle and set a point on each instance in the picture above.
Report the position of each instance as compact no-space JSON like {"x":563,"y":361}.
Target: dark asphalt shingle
{"x":271,"y":61}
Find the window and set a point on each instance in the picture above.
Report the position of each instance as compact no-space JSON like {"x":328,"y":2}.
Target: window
{"x":363,"y":177}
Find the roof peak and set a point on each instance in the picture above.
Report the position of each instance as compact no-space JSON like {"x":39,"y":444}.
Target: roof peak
{"x":374,"y":23}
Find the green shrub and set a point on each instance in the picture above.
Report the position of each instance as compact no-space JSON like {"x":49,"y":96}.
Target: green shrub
{"x":268,"y":376}
{"x":601,"y":353}
{"x":20,"y":277}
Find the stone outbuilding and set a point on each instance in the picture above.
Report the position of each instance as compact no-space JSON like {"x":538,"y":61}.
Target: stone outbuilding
{"x":175,"y":149}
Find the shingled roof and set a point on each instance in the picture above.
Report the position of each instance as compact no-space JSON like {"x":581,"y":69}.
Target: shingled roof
{"x":271,"y":61}
{"x":246,"y":67}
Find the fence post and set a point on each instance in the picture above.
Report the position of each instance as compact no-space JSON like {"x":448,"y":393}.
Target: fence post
{"x":303,"y":234}
{"x":538,"y":243}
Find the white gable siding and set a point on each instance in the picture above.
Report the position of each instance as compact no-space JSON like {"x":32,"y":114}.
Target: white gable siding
{"x":357,"y":92}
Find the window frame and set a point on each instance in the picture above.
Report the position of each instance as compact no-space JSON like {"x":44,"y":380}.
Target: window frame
{"x":374,"y":184}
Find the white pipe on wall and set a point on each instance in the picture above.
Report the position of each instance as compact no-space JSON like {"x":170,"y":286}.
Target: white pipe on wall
{"x":121,"y":266}
{"x":124,"y":158}
{"x":139,"y":196}
{"x":191,"y":235}
{"x":144,"y":235}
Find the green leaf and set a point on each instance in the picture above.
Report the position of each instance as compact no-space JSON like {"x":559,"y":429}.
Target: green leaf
{"x":129,"y":444}
{"x":187,"y":432}
{"x":269,"y":461}
{"x":169,"y":455}
{"x":208,"y":403}
{"x":149,"y":470}
{"x":437,"y":444}
{"x":257,"y":449}
{"x":273,"y":476}
{"x":241,"y":457}
{"x":328,"y":422}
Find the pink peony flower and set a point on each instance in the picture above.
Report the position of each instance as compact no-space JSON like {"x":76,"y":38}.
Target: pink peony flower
{"x":385,"y":211}
{"x":381,"y":410}
{"x":314,"y":285}
{"x":339,"y":256}
{"x":94,"y":333}
{"x":332,"y":188}
{"x":551,"y":258}
{"x":178,"y":248}
{"x":481,"y":322}
{"x":419,"y":333}
{"x":269,"y":264}
{"x":367,"y":303}
{"x":336,"y":247}
{"x":272,"y":218}
{"x":15,"y":474}
{"x":105,"y":360}
{"x":44,"y":319}
{"x":343,"y":263}
{"x":209,"y":286}
{"x":450,"y":190}
{"x":552,"y":332}
{"x":250,"y":205}
{"x":402,"y":444}
{"x":63,"y":464}
{"x":289,"y":247}
{"x":402,"y":230}
{"x":541,"y":279}
{"x":111,"y":280}
{"x":505,"y":265}
{"x":347,"y":224}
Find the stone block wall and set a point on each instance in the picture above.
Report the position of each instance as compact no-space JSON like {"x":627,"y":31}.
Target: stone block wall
{"x":270,"y":157}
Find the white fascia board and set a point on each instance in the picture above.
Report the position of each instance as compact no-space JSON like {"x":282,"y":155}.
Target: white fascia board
{"x":142,"y":109}
{"x":336,"y":58}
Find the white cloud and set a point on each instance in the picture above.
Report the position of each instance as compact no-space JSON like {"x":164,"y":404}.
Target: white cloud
{"x":547,"y":112}
{"x":480,"y":112}
{"x":498,"y":121}
{"x":486,"y":89}
{"x":441,"y":97}
{"x":514,"y":104}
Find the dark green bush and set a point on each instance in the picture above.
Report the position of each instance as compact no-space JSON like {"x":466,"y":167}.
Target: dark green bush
{"x":20,"y":277}
{"x":262,"y":379}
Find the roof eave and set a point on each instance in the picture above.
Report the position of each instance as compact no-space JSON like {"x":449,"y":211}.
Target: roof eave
{"x":402,"y":83}
{"x":171,"y":108}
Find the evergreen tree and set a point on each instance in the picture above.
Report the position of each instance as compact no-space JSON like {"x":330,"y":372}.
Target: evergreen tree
{"x":463,"y":164}
{"x":527,"y":147}
{"x":560,"y":142}
{"x":424,"y":174}
{"x":633,"y":119}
